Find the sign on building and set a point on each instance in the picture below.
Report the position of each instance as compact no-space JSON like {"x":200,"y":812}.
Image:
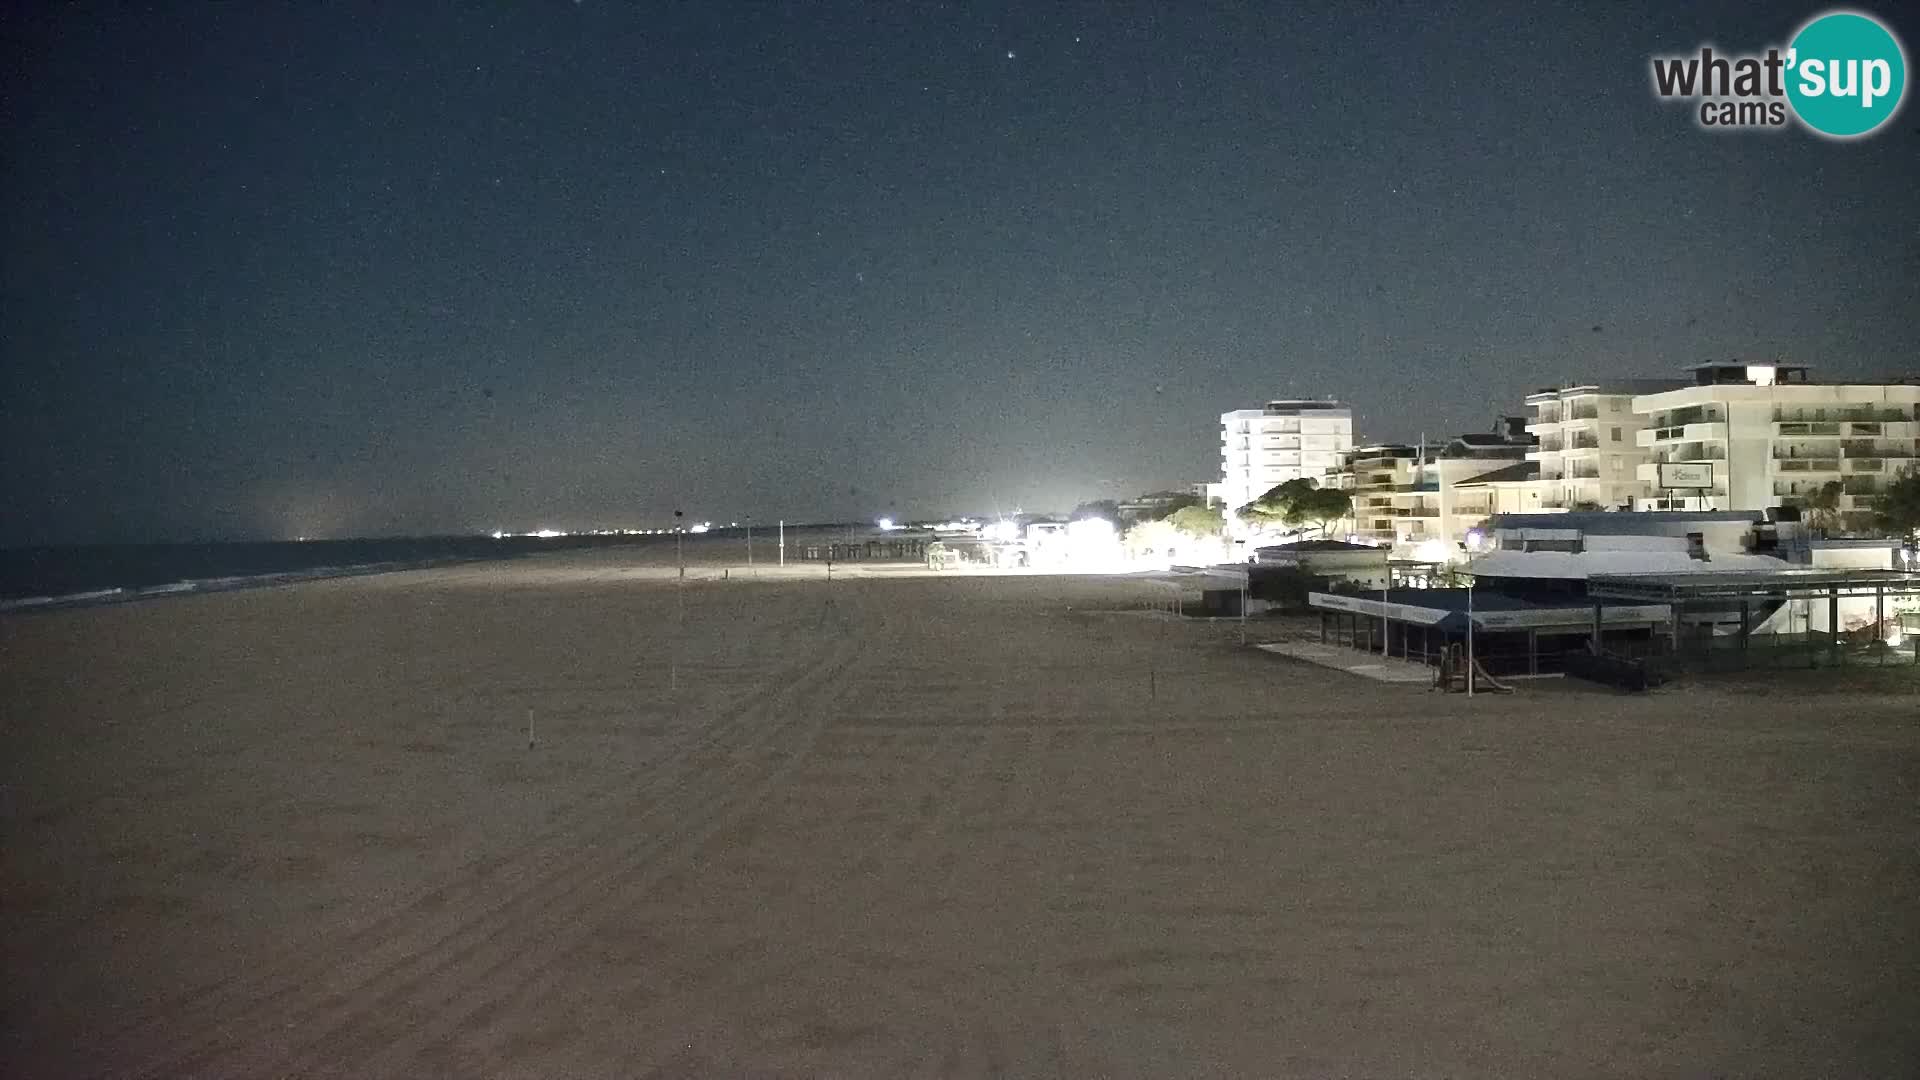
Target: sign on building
{"x":1686,"y":476}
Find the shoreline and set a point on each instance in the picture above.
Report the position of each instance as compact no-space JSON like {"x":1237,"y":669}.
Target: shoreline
{"x":110,"y":597}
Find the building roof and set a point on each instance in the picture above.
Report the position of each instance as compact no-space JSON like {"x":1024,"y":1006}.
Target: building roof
{"x":1585,"y":565}
{"x":1621,"y":523}
{"x":1447,"y":609}
{"x":1613,"y":386}
{"x":1318,"y":545}
{"x":1666,"y":588}
{"x":1518,"y":471}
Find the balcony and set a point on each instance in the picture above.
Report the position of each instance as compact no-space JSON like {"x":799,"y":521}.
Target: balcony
{"x":1697,"y":414}
{"x":1789,"y":428}
{"x":1870,"y":450}
{"x":1852,"y":500}
{"x":1583,"y":412}
{"x":1690,"y":452}
{"x":1863,"y":415}
{"x":1710,"y":431}
{"x":1816,"y":465}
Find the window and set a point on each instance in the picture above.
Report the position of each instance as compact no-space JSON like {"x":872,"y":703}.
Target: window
{"x":1616,"y":434}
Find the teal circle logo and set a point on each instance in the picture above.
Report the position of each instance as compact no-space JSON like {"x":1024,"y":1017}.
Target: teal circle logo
{"x":1846,"y":74}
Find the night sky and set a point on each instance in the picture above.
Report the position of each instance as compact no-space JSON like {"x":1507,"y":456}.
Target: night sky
{"x":344,"y":269}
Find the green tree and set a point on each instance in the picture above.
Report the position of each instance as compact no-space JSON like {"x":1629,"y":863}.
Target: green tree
{"x":1282,"y":504}
{"x":1898,"y":508}
{"x":1325,"y":506}
{"x":1201,"y":521}
{"x":1823,"y":506}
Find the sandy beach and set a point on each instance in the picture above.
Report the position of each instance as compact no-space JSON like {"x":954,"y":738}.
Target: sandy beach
{"x":902,"y":824}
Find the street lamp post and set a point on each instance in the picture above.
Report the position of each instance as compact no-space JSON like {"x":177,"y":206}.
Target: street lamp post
{"x":1386,"y":583}
{"x":1470,"y":583}
{"x":1469,"y":626}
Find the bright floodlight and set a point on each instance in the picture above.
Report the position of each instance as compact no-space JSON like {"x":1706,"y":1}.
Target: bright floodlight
{"x":886,"y":524}
{"x":1431,"y":551}
{"x":1004,"y":531}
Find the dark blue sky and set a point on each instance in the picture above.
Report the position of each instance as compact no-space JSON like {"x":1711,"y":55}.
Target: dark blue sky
{"x":352,"y":269}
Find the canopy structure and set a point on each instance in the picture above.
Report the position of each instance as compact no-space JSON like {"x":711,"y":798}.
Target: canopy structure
{"x":1516,"y":634}
{"x":1795,"y":584}
{"x":1712,"y":597}
{"x":1446,"y":610}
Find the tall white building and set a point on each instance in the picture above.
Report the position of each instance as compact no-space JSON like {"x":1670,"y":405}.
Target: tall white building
{"x":1772,"y":437}
{"x":1281,"y":441}
{"x":1590,"y":451}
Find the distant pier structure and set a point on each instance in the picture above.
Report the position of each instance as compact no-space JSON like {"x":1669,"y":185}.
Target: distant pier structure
{"x":862,"y":551}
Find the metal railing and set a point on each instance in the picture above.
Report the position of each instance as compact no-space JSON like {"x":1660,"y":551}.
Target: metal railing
{"x":1853,"y":416}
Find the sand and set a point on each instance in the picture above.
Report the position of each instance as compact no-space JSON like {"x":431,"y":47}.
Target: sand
{"x":907,"y":825}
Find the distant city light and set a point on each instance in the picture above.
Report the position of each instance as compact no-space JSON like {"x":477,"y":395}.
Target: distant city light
{"x":887,"y":525}
{"x":1431,"y":551}
{"x":702,"y":527}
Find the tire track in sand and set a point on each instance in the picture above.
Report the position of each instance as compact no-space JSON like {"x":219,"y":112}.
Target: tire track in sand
{"x":236,"y":1018}
{"x":493,"y":970}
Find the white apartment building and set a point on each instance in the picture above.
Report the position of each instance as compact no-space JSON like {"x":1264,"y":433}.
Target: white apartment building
{"x":1281,"y":441}
{"x":1590,"y":451}
{"x":1771,"y":437}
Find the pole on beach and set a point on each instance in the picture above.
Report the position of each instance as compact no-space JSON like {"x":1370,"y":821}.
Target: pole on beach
{"x":1245,"y":580}
{"x":749,"y":545}
{"x":680,"y":604}
{"x":1383,"y":610}
{"x":783,"y":542}
{"x":529,"y":727}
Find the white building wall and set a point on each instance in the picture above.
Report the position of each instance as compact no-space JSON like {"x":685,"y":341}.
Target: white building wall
{"x":1590,"y":450}
{"x":1284,"y":440}
{"x":1772,"y":444}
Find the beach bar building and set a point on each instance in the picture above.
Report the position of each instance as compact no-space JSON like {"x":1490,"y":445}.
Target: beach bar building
{"x":1512,"y":635}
